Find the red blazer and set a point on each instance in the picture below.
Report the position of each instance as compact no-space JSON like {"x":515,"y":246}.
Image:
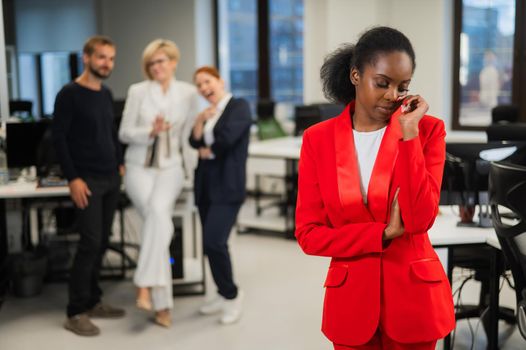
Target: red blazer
{"x":401,"y":288}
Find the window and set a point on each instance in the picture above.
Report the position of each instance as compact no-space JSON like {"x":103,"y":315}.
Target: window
{"x":260,"y":48}
{"x":486,"y":72}
{"x":286,"y":50}
{"x":28,"y":80}
{"x":41,"y":76}
{"x":55,"y":74}
{"x":238,"y":50}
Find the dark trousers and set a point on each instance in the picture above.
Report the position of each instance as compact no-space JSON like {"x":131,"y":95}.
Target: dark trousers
{"x":217,"y":221}
{"x":95,"y":222}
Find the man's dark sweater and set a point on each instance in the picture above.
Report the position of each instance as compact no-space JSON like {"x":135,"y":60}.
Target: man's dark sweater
{"x":84,"y":132}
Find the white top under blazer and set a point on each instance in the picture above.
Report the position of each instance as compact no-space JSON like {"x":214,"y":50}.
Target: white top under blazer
{"x":179,"y":106}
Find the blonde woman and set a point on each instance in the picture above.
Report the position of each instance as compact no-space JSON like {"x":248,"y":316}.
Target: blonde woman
{"x":157,"y":120}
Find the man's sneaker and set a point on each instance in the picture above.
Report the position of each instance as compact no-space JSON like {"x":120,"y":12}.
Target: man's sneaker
{"x":101,"y":310}
{"x":81,"y":325}
{"x":232,"y":309}
{"x":212,"y":306}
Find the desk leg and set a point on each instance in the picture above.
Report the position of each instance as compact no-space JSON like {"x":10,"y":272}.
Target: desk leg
{"x":493,"y":318}
{"x":290,"y":194}
{"x":449,"y":270}
{"x":122,"y":243}
{"x":3,"y":232}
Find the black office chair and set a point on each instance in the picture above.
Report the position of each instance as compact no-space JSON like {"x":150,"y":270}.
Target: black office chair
{"x":504,"y":124}
{"x":507,"y":193}
{"x":456,"y":180}
{"x":505,"y":114}
{"x":506,"y":132}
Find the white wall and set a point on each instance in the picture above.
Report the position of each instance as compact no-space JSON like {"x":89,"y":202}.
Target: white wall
{"x":428,"y":24}
{"x":132,"y":24}
{"x":54,"y":25}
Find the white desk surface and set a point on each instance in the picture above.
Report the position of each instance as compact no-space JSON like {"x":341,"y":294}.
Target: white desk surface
{"x":445,"y":231}
{"x":30,"y":190}
{"x":289,"y":147}
{"x":279,"y":148}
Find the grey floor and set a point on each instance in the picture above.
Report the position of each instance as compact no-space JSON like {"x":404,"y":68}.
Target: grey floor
{"x":283,"y":304}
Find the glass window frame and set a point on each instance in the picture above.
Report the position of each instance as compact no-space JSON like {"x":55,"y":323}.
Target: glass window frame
{"x":263,"y":36}
{"x":519,"y":74}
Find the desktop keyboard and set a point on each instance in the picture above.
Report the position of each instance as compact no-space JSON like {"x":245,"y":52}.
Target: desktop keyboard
{"x":52,"y":181}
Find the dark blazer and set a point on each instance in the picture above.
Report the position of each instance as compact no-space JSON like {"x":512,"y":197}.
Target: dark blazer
{"x":222,"y":180}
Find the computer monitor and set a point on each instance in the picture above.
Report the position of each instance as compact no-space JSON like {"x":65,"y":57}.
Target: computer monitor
{"x":30,"y":144}
{"x":308,"y":115}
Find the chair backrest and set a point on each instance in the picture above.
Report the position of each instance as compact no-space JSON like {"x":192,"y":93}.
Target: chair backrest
{"x":506,"y":132}
{"x":505,"y":113}
{"x":507,"y":196}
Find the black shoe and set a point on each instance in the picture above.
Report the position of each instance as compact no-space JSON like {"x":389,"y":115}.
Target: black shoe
{"x":81,"y":325}
{"x":105,"y":311}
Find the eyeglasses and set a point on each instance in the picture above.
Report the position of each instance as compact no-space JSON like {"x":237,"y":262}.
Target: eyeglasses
{"x":159,"y":61}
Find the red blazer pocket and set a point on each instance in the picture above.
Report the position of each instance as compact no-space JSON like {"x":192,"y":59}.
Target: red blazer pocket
{"x":336,"y":276}
{"x":428,"y":270}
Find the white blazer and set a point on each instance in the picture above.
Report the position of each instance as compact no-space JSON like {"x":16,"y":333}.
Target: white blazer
{"x":179,"y":105}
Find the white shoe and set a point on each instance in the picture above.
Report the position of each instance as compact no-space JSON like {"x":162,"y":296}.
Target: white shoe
{"x":232,"y":309}
{"x":212,"y":306}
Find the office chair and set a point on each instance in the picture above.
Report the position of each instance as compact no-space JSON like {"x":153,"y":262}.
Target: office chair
{"x":457,"y":180}
{"x":506,"y":132}
{"x":505,"y":114}
{"x":21,"y":108}
{"x":504,"y":124}
{"x":507,"y":190}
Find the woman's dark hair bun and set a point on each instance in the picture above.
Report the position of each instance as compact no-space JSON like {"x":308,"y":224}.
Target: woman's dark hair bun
{"x":335,"y":75}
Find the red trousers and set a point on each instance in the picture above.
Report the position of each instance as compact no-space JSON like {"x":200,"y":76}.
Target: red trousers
{"x":380,"y":341}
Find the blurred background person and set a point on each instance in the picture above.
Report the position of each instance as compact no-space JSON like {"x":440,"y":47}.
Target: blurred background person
{"x":489,"y":80}
{"x":221,"y":134}
{"x":157,"y":120}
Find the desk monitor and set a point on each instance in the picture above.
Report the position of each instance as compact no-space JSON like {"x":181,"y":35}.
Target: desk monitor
{"x":30,"y":144}
{"x":309,"y":115}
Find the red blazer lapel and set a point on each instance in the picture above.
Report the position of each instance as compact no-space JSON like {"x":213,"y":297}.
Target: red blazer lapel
{"x":347,"y":173}
{"x":378,"y":192}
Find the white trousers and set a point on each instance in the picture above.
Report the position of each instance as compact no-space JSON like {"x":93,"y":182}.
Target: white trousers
{"x":153,"y":192}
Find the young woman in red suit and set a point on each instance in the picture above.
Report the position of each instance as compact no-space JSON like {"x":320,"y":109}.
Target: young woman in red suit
{"x":369,"y":186}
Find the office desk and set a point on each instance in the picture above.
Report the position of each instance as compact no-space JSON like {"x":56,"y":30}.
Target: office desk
{"x":445,"y":235}
{"x":23,"y":190}
{"x":194,"y":268}
{"x":28,"y":191}
{"x":288,"y":150}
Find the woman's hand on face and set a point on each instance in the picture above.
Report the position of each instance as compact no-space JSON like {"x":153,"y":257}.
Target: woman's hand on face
{"x":395,"y":228}
{"x":413,"y":109}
